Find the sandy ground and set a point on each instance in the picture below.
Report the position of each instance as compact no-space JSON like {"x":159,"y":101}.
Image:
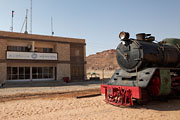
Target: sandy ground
{"x":60,"y":106}
{"x":43,"y":89}
{"x":93,"y":108}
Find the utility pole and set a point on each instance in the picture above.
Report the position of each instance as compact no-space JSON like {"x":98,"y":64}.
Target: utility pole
{"x":12,"y":21}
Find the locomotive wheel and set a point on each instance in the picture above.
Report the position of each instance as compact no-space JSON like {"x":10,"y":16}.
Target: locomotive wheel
{"x":154,"y":86}
{"x":145,"y":98}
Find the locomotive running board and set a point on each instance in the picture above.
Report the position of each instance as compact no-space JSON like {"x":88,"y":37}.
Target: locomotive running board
{"x":138,"y":79}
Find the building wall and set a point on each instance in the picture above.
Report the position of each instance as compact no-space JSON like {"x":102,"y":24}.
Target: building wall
{"x":18,"y":43}
{"x":3,"y":48}
{"x":63,"y":51}
{"x":3,"y":66}
{"x":44,"y":44}
{"x":31,"y":64}
{"x":62,"y":46}
{"x":3,"y":72}
{"x":63,"y":70}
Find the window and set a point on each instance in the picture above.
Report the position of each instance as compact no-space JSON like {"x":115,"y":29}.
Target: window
{"x":17,"y":73}
{"x":9,"y":72}
{"x":23,"y":73}
{"x":18,"y":48}
{"x":77,"y":52}
{"x":47,"y":50}
{"x":42,"y":72}
{"x":27,"y":72}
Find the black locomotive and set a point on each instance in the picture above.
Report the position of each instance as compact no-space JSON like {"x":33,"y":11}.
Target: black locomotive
{"x":147,"y":69}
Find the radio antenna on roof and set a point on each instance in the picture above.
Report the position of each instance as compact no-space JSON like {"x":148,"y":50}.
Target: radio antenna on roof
{"x":12,"y":21}
{"x":31,"y":19}
{"x":52,"y":31}
{"x":26,"y":21}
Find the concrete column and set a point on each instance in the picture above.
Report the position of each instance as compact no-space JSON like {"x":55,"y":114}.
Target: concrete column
{"x":33,"y":46}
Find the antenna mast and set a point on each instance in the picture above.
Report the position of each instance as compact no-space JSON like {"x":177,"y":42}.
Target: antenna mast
{"x":26,"y":21}
{"x":52,"y":32}
{"x":31,"y":19}
{"x":12,"y":21}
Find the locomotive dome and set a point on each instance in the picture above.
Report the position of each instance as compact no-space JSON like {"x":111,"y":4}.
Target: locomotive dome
{"x":171,"y":41}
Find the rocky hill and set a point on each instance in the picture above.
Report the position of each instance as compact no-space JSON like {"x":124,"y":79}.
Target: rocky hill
{"x":102,"y":60}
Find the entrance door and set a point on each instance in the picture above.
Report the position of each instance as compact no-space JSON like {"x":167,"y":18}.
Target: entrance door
{"x":77,"y":62}
{"x":43,"y":73}
{"x":77,"y":72}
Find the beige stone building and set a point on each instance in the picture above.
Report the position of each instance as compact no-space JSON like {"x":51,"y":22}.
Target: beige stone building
{"x":37,"y":57}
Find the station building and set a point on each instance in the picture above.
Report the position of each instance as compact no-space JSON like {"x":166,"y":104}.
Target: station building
{"x":29,"y":57}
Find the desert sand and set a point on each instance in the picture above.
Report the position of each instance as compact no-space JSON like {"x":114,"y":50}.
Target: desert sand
{"x":59,"y":103}
{"x":94,"y":108}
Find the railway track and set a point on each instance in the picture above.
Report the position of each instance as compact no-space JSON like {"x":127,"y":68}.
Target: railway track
{"x":50,"y":95}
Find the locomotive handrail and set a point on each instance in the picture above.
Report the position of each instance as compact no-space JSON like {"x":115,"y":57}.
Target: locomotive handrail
{"x":125,"y":57}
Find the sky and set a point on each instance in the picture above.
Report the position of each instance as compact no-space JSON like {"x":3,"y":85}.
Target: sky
{"x":99,"y":22}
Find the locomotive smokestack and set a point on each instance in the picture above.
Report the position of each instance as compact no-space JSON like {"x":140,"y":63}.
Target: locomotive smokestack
{"x":141,"y":36}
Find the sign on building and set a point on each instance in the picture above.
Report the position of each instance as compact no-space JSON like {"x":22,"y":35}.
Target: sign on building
{"x":31,"y":56}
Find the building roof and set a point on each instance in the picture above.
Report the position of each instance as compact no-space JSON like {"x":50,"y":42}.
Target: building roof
{"x":36,"y":37}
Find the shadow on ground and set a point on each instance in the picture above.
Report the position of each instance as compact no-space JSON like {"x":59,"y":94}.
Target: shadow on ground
{"x":161,"y":105}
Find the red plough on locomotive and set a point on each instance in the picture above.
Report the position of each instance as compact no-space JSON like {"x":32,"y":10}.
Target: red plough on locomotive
{"x":148,"y":69}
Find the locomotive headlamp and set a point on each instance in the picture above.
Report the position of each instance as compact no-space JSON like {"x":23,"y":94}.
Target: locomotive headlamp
{"x":124,"y":35}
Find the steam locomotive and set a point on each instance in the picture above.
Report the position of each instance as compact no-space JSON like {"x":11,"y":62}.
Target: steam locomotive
{"x":147,"y":69}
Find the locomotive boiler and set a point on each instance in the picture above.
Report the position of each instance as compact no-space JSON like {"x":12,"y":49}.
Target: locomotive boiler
{"x":147,"y":69}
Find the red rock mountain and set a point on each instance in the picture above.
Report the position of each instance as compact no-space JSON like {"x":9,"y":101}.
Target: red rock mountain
{"x":102,"y":60}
